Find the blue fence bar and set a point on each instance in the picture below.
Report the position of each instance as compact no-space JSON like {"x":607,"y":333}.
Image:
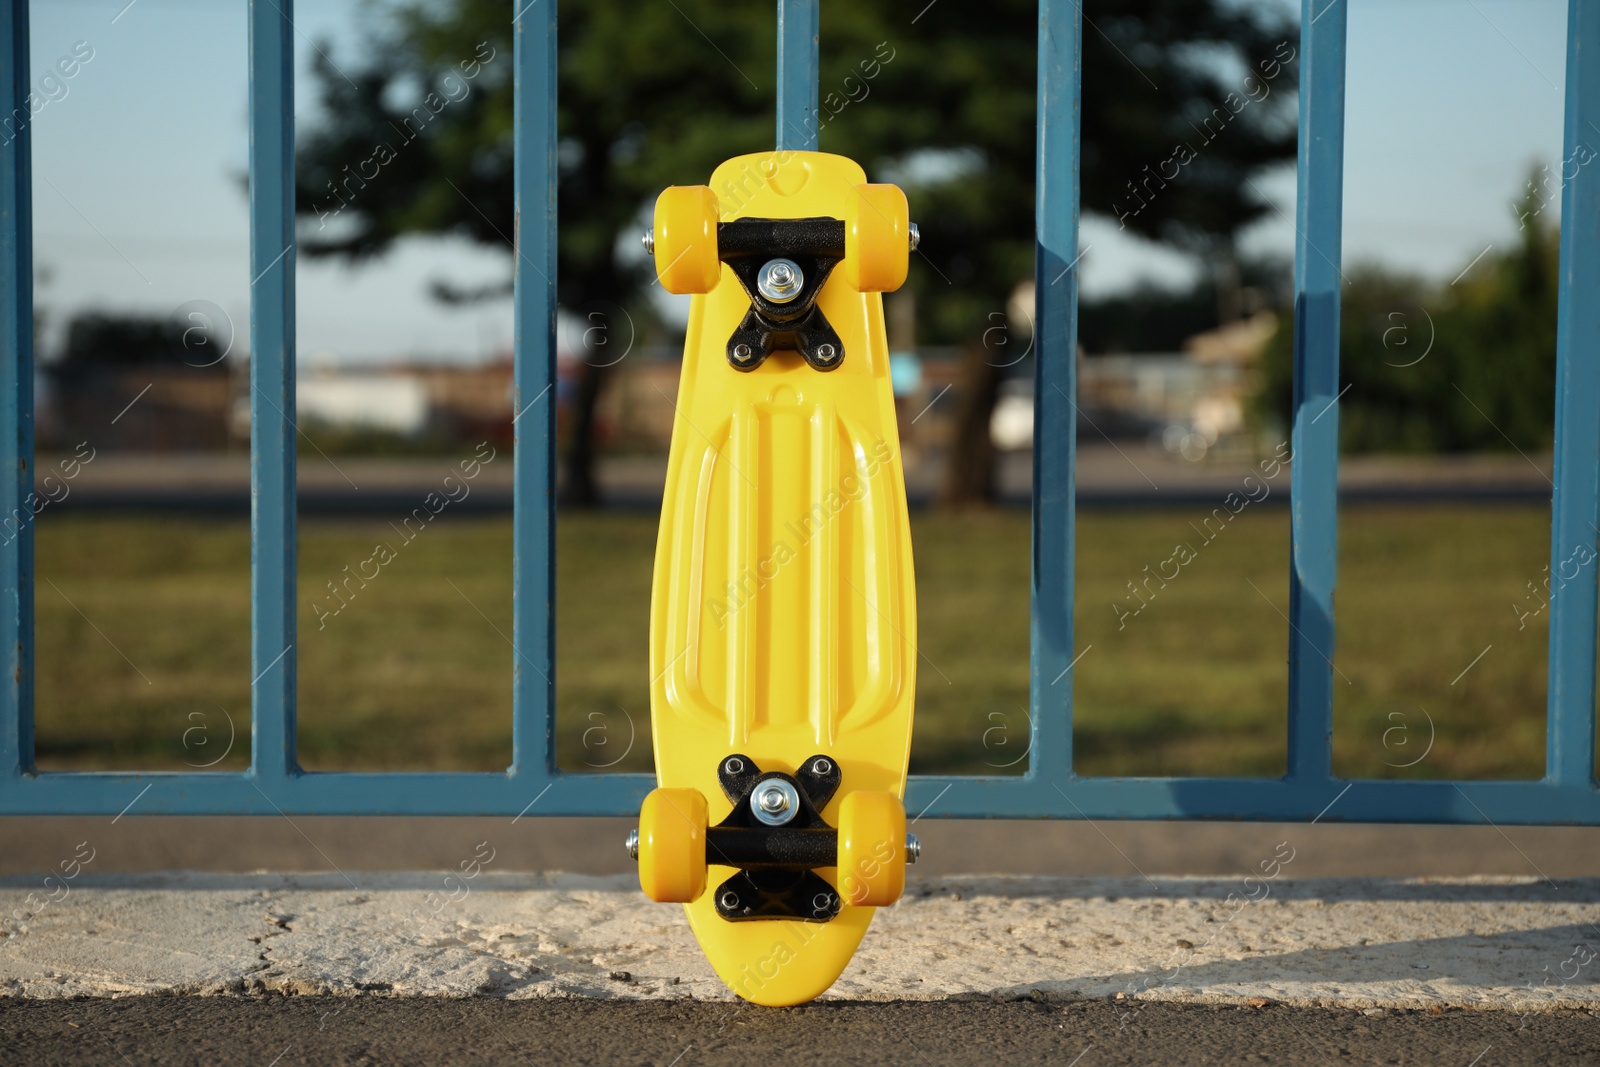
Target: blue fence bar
{"x":1519,"y":803}
{"x":16,"y":405}
{"x":1055,"y":286}
{"x":532,"y":785}
{"x":272,"y":399}
{"x":1575,"y":515}
{"x":1313,"y":489}
{"x":799,"y":22}
{"x":534,"y":352}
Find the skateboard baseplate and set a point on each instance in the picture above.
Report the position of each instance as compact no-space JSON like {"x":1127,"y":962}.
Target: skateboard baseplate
{"x":783,"y":618}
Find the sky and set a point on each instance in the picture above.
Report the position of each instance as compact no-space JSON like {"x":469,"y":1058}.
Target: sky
{"x":140,"y":156}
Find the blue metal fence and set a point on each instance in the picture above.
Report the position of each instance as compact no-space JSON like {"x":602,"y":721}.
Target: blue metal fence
{"x":1309,"y":791}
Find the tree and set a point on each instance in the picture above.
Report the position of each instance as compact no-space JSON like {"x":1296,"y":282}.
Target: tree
{"x":100,"y":340}
{"x":1184,"y":99}
{"x":1466,"y":366}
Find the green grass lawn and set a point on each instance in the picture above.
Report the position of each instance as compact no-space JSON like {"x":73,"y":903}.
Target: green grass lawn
{"x":143,"y":643}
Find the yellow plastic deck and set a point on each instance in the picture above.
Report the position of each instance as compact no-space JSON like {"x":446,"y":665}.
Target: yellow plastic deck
{"x":783,"y":615}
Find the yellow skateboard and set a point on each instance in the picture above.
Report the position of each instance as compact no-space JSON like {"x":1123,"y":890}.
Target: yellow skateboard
{"x":783,"y":613}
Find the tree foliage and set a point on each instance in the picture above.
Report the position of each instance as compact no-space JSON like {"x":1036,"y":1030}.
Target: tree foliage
{"x":100,"y":340}
{"x":651,"y":95}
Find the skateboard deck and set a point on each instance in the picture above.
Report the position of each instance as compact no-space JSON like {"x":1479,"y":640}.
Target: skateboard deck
{"x":783,"y":620}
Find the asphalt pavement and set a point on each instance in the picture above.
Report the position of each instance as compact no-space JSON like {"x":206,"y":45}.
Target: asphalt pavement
{"x":283,"y":1031}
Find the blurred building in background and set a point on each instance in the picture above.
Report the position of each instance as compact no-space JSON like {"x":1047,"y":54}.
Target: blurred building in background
{"x":148,"y":409}
{"x":1188,"y":400}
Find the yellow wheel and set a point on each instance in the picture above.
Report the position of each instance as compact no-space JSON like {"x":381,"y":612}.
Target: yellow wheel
{"x":877,"y":239}
{"x":686,"y":239}
{"x":872,"y":849}
{"x":672,"y":845}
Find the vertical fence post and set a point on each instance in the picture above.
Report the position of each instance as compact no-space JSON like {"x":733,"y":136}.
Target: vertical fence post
{"x":1055,"y":385}
{"x":1575,"y":513}
{"x":533,"y":351}
{"x":1314,"y":490}
{"x":16,"y":397}
{"x":799,"y":22}
{"x":272,"y":400}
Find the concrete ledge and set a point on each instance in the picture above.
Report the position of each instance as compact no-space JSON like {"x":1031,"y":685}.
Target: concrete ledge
{"x":1492,"y":943}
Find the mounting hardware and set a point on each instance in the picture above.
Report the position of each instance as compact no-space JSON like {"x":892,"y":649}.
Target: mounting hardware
{"x":776,"y":840}
{"x":780,"y":280}
{"x":793,"y":895}
{"x":633,"y":844}
{"x":915,"y":235}
{"x":913,"y":848}
{"x":775,"y":802}
{"x":649,"y":241}
{"x":782,"y":265}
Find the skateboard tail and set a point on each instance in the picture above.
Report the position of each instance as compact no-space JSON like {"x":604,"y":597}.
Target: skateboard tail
{"x":780,"y":964}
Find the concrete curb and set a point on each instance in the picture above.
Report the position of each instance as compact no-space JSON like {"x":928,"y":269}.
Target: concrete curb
{"x":1493,"y":943}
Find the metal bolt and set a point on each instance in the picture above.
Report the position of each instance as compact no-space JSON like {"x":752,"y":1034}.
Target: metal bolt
{"x":780,"y":280}
{"x":734,"y":765}
{"x":774,"y":802}
{"x":730,"y":900}
{"x":633,"y":844}
{"x":822,"y":766}
{"x":915,"y":235}
{"x":826,"y":353}
{"x":649,"y":242}
{"x":913,"y":848}
{"x":742,"y":353}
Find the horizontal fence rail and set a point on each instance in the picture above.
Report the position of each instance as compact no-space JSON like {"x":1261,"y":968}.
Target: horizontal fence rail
{"x":533,"y":785}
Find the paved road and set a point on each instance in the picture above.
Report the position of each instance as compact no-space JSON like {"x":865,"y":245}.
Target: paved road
{"x":311,"y":1030}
